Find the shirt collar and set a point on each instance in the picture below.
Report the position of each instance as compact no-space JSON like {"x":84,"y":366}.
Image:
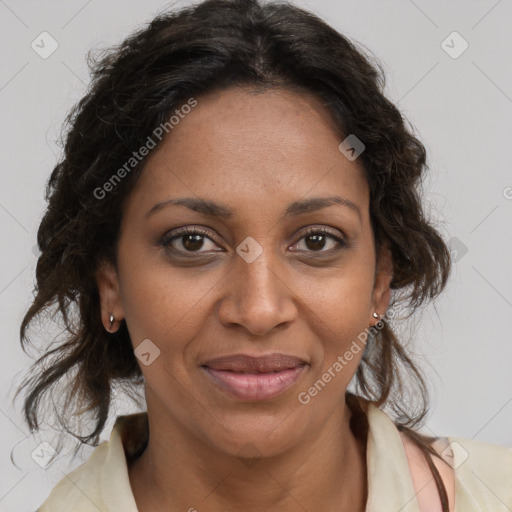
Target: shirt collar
{"x":390,"y":485}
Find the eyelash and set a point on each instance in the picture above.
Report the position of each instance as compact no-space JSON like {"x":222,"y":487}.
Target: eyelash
{"x":167,"y":240}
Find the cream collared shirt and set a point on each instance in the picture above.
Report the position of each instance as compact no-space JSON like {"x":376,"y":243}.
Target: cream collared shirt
{"x":483,"y":473}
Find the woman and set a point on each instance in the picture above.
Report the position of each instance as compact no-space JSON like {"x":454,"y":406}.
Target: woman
{"x":235,"y":225}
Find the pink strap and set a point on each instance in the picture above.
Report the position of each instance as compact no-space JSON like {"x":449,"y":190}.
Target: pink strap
{"x":425,"y":487}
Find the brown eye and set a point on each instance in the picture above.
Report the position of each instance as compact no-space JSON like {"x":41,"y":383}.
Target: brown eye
{"x":316,"y":240}
{"x":191,"y":240}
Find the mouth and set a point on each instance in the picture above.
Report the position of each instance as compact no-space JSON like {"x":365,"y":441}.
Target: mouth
{"x":249,"y":378}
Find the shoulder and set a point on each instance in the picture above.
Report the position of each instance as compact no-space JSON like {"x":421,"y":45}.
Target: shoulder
{"x":476,"y":475}
{"x":79,"y":489}
{"x":480,"y":455}
{"x":483,"y":473}
{"x":102,"y":482}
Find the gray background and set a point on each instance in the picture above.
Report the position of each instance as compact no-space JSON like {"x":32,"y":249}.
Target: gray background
{"x":461,"y":110}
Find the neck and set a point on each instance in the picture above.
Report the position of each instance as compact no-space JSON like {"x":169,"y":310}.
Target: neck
{"x":180,"y":471}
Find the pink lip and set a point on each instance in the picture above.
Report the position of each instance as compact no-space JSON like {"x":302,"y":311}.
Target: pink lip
{"x":255,"y":386}
{"x":252,"y":364}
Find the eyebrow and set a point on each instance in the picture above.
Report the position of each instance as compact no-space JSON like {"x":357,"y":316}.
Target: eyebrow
{"x":217,"y":210}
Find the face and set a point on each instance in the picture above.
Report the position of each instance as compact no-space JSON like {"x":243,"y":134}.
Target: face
{"x":261,"y":269}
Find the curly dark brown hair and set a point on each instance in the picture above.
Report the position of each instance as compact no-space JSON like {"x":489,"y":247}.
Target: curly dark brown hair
{"x":134,"y":87}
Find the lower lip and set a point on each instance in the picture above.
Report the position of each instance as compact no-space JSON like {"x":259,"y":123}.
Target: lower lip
{"x":255,"y":386}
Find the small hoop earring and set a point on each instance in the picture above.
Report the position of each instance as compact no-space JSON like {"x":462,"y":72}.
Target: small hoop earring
{"x":111,"y":320}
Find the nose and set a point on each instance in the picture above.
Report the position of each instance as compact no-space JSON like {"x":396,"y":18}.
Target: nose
{"x":257,"y":296}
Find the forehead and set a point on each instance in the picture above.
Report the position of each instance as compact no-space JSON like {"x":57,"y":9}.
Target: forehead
{"x":248,"y":148}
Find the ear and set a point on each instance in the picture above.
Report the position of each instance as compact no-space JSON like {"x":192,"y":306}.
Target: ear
{"x":110,"y":301}
{"x":381,"y":288}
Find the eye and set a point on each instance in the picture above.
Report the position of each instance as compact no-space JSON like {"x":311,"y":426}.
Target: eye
{"x":315,"y":240}
{"x":190,"y":239}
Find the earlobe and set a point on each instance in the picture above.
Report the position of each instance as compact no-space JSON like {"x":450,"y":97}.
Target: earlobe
{"x":110,"y":302}
{"x":382,"y":284}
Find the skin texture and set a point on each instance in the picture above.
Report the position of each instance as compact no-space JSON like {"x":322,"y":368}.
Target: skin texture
{"x":256,"y":153}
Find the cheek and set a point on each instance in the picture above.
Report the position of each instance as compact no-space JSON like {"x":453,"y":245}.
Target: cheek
{"x":341,"y":334}
{"x":145,"y":293}
{"x":343,"y":293}
{"x":345,"y":310}
{"x":340,"y":309}
{"x":160,"y":302}
{"x":153,"y":302}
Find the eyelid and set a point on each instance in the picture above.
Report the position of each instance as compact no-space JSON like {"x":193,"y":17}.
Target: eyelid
{"x":337,"y":234}
{"x":177,"y":233}
{"x":341,"y":240}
